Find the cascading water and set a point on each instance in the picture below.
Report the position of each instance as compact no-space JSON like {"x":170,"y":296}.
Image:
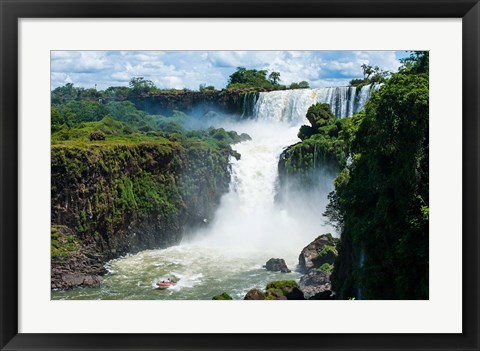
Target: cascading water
{"x":249,"y":227}
{"x":292,"y":105}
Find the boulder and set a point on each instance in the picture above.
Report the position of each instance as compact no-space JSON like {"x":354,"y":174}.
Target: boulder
{"x":277,"y":265}
{"x":314,"y":282}
{"x":255,"y":294}
{"x":321,"y":250}
{"x":289,"y":289}
{"x":78,"y":279}
{"x":222,"y":296}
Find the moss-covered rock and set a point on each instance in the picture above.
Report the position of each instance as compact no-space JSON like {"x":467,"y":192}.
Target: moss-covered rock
{"x":319,"y":251}
{"x":222,"y":296}
{"x":326,"y":256}
{"x":255,"y":294}
{"x":286,"y":288}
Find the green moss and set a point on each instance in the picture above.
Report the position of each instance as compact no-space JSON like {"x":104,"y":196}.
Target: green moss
{"x":62,"y":245}
{"x":223,"y":296}
{"x":282,"y":284}
{"x":287,"y":288}
{"x":327,"y":268}
{"x":328,"y":249}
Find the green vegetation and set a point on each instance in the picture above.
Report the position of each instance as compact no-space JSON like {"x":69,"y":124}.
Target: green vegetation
{"x":62,"y":245}
{"x":244,"y":78}
{"x":248,"y":79}
{"x":122,"y":177}
{"x":371,"y":75}
{"x":223,"y":296}
{"x":300,"y":85}
{"x":283,"y":289}
{"x":327,"y":268}
{"x":325,"y":143}
{"x":380,"y":201}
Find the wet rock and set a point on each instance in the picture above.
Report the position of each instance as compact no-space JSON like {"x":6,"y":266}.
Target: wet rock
{"x":274,"y":295}
{"x":314,"y":282}
{"x":255,"y":294}
{"x":78,"y":279}
{"x":286,"y":288}
{"x":321,"y":250}
{"x":277,"y":265}
{"x":223,"y":296}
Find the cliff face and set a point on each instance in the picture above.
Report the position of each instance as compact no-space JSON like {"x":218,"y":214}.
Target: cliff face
{"x":123,"y":198}
{"x":225,"y":101}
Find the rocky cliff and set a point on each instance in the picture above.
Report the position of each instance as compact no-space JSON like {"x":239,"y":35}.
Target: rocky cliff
{"x":238,"y":102}
{"x":108,"y":200}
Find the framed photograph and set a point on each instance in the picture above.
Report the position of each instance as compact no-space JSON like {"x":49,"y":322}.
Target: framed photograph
{"x":218,"y":175}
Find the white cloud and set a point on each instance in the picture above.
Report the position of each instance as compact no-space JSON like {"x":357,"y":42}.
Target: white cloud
{"x":189,"y":69}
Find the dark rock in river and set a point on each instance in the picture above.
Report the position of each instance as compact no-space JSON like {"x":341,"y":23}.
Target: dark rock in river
{"x":277,"y":265}
{"x":255,"y":294}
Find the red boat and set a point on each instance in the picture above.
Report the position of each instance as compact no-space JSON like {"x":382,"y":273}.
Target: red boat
{"x":165,"y":284}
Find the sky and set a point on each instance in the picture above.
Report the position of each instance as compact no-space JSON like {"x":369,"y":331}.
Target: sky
{"x":189,"y":69}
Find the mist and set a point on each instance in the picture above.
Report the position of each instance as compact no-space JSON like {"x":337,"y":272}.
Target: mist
{"x":249,"y":218}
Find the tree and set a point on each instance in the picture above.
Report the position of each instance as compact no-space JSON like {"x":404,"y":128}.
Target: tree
{"x":117,"y":93}
{"x":367,"y":71}
{"x":320,"y":115}
{"x":303,"y":85}
{"x":381,"y":200}
{"x":417,"y":62}
{"x":249,"y":78}
{"x":274,"y":77}
{"x":140,"y":85}
{"x":64,"y":93}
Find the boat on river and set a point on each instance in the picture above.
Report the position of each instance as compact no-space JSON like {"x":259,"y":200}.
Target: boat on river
{"x":165,"y":284}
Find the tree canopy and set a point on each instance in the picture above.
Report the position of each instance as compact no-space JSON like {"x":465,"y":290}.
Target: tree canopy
{"x":381,"y":199}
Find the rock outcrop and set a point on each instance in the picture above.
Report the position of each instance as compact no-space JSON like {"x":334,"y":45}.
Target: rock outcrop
{"x":123,"y":198}
{"x":277,"y":290}
{"x":73,"y":264}
{"x":255,"y":294}
{"x":239,"y":102}
{"x":321,"y":250}
{"x":277,"y":265}
{"x":316,"y":262}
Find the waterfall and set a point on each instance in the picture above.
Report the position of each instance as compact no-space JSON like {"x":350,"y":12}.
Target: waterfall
{"x":249,"y":227}
{"x":248,"y":105}
{"x":291,"y":105}
{"x":248,"y":214}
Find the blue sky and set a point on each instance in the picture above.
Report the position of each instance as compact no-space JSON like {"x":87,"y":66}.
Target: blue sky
{"x":189,"y":69}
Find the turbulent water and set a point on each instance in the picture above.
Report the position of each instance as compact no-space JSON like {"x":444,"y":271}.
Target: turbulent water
{"x":249,"y":227}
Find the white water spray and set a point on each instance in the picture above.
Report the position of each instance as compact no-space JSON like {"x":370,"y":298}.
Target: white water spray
{"x":248,"y":218}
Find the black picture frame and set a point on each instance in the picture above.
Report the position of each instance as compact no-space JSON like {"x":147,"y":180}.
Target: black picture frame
{"x":12,"y":11}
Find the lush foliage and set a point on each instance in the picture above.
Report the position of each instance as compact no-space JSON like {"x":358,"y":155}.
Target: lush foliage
{"x":325,"y":143}
{"x":244,"y":78}
{"x":125,"y":179}
{"x":371,"y":75}
{"x":62,"y":245}
{"x":300,"y":85}
{"x":380,"y":201}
